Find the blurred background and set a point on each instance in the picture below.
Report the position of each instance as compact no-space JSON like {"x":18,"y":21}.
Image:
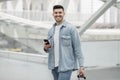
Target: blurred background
{"x":25,"y":23}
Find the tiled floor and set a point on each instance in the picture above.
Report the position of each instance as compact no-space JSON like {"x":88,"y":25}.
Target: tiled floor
{"x":19,"y":70}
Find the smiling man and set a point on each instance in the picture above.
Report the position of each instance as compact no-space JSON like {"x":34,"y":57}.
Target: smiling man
{"x":64,"y":48}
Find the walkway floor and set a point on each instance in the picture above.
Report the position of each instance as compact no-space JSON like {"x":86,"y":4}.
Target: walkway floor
{"x":21,"y":70}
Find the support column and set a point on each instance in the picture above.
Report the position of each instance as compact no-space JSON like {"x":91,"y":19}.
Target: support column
{"x":112,"y":15}
{"x":9,"y":6}
{"x":19,"y":6}
{"x":65,"y":4}
{"x":28,"y":3}
{"x":118,"y":18}
{"x":96,"y":15}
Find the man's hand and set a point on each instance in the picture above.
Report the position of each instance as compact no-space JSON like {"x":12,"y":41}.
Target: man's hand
{"x":46,"y":46}
{"x":81,"y":72}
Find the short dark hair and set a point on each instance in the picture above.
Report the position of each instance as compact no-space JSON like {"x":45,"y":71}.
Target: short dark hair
{"x":58,"y":7}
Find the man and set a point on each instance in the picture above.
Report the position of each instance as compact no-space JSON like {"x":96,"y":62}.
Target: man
{"x":64,"y":48}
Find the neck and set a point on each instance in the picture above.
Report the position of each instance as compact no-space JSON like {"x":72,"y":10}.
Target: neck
{"x":59,"y":23}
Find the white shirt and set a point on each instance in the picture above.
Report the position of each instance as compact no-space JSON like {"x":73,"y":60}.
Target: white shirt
{"x":56,"y":44}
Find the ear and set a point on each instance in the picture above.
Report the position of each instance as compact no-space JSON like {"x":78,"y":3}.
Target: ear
{"x":64,"y":13}
{"x":53,"y":14}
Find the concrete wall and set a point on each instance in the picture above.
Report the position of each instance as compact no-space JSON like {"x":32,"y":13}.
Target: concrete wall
{"x":101,"y":53}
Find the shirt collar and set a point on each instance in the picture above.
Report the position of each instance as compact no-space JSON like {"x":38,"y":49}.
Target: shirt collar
{"x":63,"y":24}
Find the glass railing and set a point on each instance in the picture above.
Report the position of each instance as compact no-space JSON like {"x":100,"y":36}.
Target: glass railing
{"x":46,"y":16}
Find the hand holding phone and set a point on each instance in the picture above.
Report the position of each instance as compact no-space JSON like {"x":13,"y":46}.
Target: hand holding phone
{"x":46,"y":45}
{"x":46,"y":41}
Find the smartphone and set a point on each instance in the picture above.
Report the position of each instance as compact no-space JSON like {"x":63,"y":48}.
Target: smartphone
{"x":47,"y":42}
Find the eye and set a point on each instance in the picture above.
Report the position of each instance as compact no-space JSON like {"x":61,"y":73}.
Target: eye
{"x":55,"y":12}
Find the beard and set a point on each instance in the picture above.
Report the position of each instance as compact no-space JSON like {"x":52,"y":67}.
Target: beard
{"x":58,"y":20}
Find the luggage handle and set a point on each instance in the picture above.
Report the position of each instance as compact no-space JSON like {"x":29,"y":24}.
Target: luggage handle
{"x":81,"y":77}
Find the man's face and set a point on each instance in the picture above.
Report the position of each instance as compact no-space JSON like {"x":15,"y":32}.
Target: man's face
{"x":58,"y":15}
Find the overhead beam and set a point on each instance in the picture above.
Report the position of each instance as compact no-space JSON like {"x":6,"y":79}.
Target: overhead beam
{"x":95,"y":16}
{"x":117,"y":4}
